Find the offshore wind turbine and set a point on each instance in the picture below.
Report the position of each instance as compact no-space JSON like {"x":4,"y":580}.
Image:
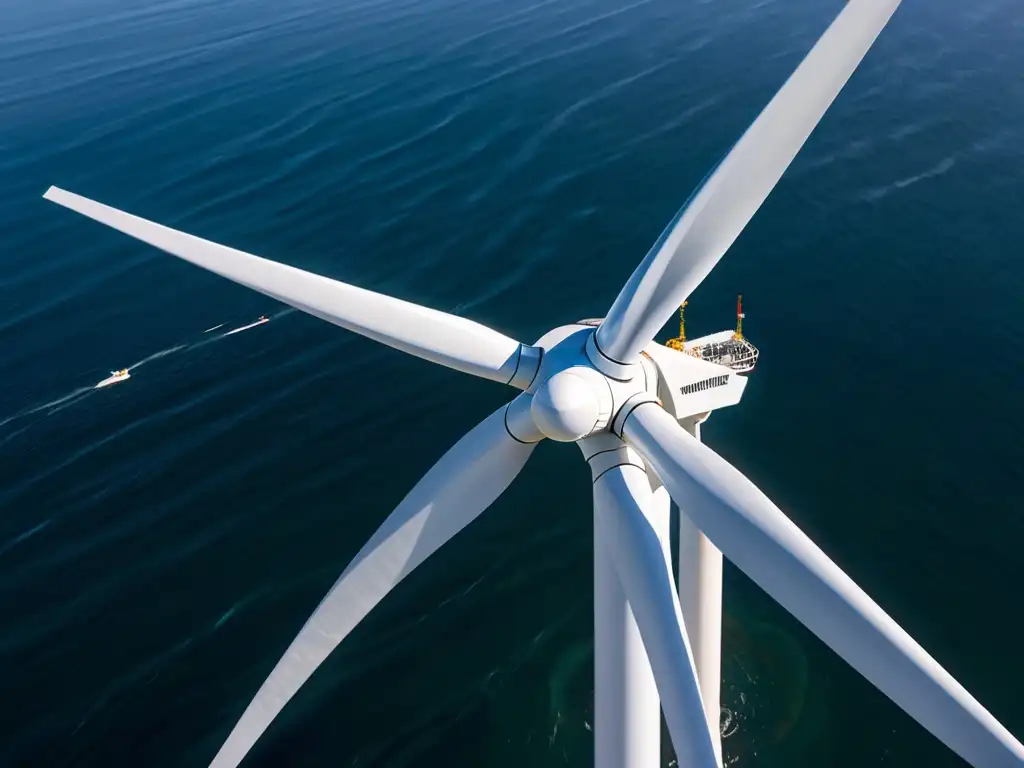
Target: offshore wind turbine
{"x":634,"y":409}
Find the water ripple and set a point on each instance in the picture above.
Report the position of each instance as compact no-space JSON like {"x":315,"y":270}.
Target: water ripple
{"x":939,"y":169}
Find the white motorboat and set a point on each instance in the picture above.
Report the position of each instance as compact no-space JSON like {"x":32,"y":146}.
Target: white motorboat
{"x":114,"y":378}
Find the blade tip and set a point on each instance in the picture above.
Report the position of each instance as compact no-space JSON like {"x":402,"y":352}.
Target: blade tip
{"x":54,"y":194}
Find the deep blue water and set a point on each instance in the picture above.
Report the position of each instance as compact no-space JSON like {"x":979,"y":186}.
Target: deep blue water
{"x":161,"y":541}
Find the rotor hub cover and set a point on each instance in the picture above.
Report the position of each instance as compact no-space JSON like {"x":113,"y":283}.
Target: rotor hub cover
{"x":566,"y":407}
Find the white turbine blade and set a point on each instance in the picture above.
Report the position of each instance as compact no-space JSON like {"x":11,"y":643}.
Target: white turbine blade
{"x":463,"y":483}
{"x":704,"y":229}
{"x":766,"y":545}
{"x":622,"y":495}
{"x":436,"y":336}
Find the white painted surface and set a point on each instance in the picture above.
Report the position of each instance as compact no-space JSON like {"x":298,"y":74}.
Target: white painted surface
{"x":677,"y":370}
{"x":627,"y":710}
{"x":628,"y":515}
{"x":766,"y":545}
{"x":436,"y":336}
{"x":571,"y":404}
{"x":114,"y":378}
{"x":460,"y":486}
{"x":700,"y":597}
{"x":629,"y":528}
{"x":712,"y":220}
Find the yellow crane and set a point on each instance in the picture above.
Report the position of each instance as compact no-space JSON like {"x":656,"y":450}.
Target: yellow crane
{"x":679,"y":342}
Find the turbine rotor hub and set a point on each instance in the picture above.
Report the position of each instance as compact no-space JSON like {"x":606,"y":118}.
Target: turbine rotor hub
{"x":572,"y":396}
{"x":571,"y":404}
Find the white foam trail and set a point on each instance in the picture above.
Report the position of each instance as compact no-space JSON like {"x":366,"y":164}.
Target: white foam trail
{"x":157,"y":355}
{"x":22,"y":536}
{"x":67,"y":403}
{"x":44,"y":406}
{"x":59,"y":401}
{"x":53,"y":406}
{"x":59,"y":404}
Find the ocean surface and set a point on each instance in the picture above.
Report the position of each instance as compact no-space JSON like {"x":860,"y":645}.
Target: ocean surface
{"x":162,"y":540}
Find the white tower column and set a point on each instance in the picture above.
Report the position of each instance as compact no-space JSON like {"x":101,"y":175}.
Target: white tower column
{"x":700,"y":596}
{"x":627,"y":709}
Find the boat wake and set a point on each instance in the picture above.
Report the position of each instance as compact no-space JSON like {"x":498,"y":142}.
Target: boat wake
{"x":81,"y":393}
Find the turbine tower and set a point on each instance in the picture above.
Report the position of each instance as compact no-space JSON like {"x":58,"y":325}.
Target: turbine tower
{"x":634,"y":408}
